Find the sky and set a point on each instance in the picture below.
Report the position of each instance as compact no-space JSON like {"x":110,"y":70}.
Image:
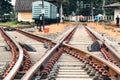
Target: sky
{"x":13,"y":2}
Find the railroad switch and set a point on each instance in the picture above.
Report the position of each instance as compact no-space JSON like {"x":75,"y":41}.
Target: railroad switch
{"x":95,"y":46}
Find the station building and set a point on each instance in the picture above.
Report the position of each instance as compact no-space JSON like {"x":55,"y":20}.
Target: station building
{"x":23,"y":8}
{"x":116,"y":7}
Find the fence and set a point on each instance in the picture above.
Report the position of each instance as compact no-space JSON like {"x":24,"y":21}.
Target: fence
{"x":89,"y":18}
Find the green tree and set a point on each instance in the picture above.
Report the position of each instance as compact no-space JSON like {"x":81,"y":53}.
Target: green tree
{"x":5,"y":7}
{"x":88,"y":6}
{"x":71,"y":7}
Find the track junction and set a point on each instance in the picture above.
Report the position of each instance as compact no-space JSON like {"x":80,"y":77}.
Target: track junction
{"x":78,"y":53}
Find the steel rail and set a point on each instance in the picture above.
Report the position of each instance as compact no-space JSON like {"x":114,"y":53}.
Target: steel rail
{"x":38,"y":38}
{"x":45,"y":57}
{"x":41,"y":39}
{"x":105,"y":41}
{"x":17,"y":65}
{"x":113,"y":69}
{"x":27,"y":62}
{"x":100,"y":61}
{"x":34,"y":68}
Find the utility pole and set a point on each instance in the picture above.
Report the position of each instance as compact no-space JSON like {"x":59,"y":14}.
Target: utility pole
{"x":57,"y":13}
{"x":43,"y":12}
{"x":104,"y":1}
{"x":92,"y":8}
{"x":61,"y":12}
{"x":81,"y":6}
{"x":78,"y":8}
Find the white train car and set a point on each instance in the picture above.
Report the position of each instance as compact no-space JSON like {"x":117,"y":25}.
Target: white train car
{"x":50,"y":11}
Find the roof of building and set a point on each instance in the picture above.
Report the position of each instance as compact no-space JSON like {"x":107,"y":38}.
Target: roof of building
{"x":25,"y":5}
{"x":114,"y":5}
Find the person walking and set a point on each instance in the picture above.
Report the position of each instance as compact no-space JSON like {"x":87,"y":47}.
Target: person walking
{"x":97,"y":18}
{"x":117,"y":21}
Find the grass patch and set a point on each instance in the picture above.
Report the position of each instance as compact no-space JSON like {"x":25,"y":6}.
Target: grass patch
{"x":12,"y":23}
{"x":15,"y":24}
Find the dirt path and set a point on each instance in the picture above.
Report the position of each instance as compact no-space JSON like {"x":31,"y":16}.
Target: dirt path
{"x":112,"y":31}
{"x":55,"y":28}
{"x":100,"y":28}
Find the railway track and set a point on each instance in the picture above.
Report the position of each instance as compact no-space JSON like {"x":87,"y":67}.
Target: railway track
{"x":69,"y":58}
{"x":71,"y":63}
{"x":69,"y":67}
{"x":50,"y":65}
{"x":16,"y":59}
{"x":109,"y":47}
{"x":5,"y":55}
{"x":46,"y":57}
{"x":82,"y":41}
{"x":24,"y":64}
{"x":34,"y":48}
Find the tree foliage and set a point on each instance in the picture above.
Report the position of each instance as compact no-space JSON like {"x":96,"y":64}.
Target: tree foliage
{"x":5,"y":7}
{"x":87,"y":6}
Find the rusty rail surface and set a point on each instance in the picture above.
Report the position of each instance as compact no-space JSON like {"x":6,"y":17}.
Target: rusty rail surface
{"x":40,"y":39}
{"x":17,"y":57}
{"x":27,"y":60}
{"x":97,"y":63}
{"x":67,"y":39}
{"x":109,"y":53}
{"x":105,"y":68}
{"x":44,"y":59}
{"x":27,"y":63}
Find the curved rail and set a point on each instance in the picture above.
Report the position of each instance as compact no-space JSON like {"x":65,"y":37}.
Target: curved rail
{"x":45,"y":57}
{"x":95,"y":35}
{"x":10,"y":75}
{"x":27,"y":61}
{"x":104,"y":40}
{"x":113,"y":70}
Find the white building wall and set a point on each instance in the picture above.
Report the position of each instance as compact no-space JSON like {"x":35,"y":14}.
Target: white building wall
{"x":19,"y":16}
